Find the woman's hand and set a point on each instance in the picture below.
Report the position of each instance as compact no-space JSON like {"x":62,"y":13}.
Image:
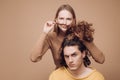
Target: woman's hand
{"x":48,"y":26}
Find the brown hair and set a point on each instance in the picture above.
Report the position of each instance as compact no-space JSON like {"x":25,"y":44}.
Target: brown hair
{"x":84,"y":31}
{"x":73,"y":40}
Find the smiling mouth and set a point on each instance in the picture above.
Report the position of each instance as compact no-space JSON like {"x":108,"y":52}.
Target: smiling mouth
{"x":64,"y":27}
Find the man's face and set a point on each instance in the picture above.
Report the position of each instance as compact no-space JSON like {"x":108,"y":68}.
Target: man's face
{"x":73,"y":57}
{"x":64,"y":20}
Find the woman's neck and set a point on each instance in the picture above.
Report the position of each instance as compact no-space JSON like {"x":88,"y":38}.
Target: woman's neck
{"x":61,"y":35}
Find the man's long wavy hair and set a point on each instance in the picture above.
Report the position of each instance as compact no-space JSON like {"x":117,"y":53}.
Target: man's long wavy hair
{"x":73,"y":40}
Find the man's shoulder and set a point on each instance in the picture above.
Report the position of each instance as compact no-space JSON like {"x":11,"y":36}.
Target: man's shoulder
{"x":58,"y":74}
{"x":59,"y":71}
{"x":96,"y":74}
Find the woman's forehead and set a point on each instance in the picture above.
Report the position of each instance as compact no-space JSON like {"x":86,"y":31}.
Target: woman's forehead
{"x":65,"y":13}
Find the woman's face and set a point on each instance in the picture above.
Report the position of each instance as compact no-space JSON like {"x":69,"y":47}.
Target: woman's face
{"x":64,"y":20}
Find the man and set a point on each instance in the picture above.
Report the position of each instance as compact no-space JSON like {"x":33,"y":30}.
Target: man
{"x":75,"y":63}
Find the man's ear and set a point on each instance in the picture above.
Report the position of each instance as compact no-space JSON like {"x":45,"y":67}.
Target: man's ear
{"x":83,"y":54}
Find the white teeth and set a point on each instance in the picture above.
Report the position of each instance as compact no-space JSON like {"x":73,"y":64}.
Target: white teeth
{"x":65,"y":27}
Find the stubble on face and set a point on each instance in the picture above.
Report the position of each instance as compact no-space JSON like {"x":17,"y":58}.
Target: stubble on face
{"x":73,"y":58}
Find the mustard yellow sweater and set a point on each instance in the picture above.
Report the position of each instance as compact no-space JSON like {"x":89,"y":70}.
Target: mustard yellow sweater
{"x":62,"y":74}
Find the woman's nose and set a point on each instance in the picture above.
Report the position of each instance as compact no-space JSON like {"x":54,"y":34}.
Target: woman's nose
{"x":64,"y":21}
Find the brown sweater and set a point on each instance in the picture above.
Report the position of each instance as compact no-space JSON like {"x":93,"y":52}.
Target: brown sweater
{"x":53,"y":43}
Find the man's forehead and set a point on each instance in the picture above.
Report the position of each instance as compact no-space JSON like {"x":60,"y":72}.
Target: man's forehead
{"x":70,"y":50}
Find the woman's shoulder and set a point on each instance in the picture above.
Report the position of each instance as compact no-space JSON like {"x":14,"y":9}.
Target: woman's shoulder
{"x":52,"y":34}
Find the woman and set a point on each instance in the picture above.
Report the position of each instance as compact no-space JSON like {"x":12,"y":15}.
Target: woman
{"x":54,"y":33}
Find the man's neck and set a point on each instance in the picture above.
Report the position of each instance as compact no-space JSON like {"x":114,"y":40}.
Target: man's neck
{"x":81,"y":72}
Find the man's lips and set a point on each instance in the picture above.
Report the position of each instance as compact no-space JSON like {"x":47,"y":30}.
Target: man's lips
{"x":71,"y":65}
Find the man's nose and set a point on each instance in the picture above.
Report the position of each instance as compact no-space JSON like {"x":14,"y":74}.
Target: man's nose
{"x":70,"y":59}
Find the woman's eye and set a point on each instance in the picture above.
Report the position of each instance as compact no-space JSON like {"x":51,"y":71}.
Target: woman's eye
{"x":69,"y":19}
{"x":61,"y":18}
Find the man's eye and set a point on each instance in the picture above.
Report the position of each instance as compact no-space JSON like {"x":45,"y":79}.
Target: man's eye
{"x":66,"y":56}
{"x":74,"y":54}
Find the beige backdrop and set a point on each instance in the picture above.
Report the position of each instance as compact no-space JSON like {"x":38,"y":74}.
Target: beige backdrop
{"x":21,"y":22}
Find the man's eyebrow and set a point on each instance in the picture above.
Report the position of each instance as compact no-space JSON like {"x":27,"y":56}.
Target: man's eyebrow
{"x":66,"y":55}
{"x":73,"y":53}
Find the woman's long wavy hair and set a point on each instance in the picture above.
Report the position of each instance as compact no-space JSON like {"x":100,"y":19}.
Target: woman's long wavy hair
{"x":83,"y":30}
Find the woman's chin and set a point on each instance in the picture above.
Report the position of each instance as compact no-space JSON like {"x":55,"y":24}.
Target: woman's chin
{"x":64,"y":30}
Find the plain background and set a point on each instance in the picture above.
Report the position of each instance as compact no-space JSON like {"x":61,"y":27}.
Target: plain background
{"x":21,"y":22}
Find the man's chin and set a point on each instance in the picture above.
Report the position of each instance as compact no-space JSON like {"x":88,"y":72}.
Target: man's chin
{"x":72,"y":68}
